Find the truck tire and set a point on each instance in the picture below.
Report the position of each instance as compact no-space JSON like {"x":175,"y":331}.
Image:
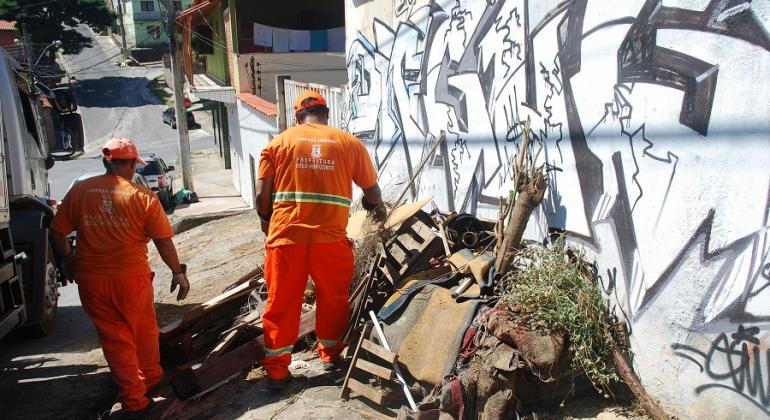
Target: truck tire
{"x":50,"y":302}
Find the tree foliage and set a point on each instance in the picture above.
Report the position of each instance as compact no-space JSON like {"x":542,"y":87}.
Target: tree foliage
{"x":50,"y":20}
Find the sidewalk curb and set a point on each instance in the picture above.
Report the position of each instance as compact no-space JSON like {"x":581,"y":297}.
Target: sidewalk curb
{"x":192,"y":221}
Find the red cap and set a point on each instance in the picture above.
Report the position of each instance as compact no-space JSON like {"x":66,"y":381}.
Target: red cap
{"x":308,"y":99}
{"x":121,"y":149}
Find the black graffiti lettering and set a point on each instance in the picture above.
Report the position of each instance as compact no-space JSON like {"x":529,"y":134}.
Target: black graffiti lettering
{"x":736,"y":359}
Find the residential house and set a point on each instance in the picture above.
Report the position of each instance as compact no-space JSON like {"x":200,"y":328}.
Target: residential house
{"x":143,"y":21}
{"x":240,"y":48}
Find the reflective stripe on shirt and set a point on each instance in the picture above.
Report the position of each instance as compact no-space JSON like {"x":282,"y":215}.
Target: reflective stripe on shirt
{"x":303,"y":197}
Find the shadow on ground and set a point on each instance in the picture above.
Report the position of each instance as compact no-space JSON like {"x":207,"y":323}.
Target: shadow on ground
{"x":114,"y":92}
{"x":66,"y":391}
{"x":74,"y":333}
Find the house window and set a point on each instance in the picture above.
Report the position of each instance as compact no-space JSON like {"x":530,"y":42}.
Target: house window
{"x":177,"y":5}
{"x":147,"y":6}
{"x":153,"y":32}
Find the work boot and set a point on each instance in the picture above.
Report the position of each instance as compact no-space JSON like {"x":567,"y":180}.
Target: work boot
{"x":278,"y":385}
{"x":117,"y":412}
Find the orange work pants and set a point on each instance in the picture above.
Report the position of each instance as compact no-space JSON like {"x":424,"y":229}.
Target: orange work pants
{"x":286,"y":271}
{"x":123,"y":311}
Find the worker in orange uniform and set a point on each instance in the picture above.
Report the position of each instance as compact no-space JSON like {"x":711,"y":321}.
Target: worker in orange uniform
{"x":304,"y":192}
{"x":114,"y":219}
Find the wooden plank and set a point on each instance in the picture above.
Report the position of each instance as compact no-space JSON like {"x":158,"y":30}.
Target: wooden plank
{"x":223,"y":312}
{"x":209,"y":309}
{"x":168,"y":329}
{"x":364,"y":333}
{"x":193,"y":381}
{"x":365,"y":391}
{"x":223,"y":345}
{"x":380,"y":352}
{"x":251,"y":275}
{"x":375,"y":369}
{"x":229,"y":295}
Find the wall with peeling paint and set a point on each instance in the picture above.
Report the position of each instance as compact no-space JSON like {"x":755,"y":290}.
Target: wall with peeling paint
{"x":656,"y":125}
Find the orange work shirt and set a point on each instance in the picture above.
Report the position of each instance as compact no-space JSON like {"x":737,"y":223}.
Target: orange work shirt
{"x":114,"y":219}
{"x":313,"y":167}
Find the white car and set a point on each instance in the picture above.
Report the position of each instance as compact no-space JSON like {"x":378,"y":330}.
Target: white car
{"x":159,"y":176}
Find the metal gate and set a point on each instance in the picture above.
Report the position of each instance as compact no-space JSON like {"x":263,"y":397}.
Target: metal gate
{"x":336,"y":99}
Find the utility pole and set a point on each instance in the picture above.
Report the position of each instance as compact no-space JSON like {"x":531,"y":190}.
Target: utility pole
{"x":31,"y":65}
{"x":179,"y":109}
{"x":122,"y":31}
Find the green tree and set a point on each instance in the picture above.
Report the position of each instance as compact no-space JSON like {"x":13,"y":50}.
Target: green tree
{"x":50,"y":20}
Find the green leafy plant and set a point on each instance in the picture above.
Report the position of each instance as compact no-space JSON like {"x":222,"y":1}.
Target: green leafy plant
{"x":555,"y":293}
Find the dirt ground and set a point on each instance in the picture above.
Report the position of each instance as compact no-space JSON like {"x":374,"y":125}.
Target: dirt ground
{"x":65,"y":375}
{"x":216,"y":253}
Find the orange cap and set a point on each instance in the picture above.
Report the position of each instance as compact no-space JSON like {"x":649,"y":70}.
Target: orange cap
{"x":308,"y":99}
{"x":121,"y":149}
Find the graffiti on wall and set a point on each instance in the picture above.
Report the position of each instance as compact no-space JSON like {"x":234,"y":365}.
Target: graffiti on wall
{"x":653,"y":115}
{"x":735,"y":363}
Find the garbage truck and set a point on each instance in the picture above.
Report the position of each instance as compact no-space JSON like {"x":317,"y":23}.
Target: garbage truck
{"x":34,"y":120}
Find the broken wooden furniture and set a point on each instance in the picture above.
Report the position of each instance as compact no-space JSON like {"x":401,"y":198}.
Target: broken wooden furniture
{"x":195,"y":381}
{"x":410,"y":249}
{"x":202,"y":326}
{"x":357,"y":363}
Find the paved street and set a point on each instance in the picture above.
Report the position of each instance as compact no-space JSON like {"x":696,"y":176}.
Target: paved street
{"x":115,"y":102}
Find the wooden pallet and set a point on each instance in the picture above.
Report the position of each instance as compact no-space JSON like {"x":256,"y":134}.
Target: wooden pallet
{"x":351,"y":384}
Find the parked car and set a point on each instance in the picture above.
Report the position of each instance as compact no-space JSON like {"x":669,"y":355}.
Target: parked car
{"x":169,"y":117}
{"x":159,"y":177}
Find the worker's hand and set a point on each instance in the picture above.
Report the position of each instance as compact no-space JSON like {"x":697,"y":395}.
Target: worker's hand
{"x":264,"y":223}
{"x":180,"y":279}
{"x":68,"y":265}
{"x":379,"y":213}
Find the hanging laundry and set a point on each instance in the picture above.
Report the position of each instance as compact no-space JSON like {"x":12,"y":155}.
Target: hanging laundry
{"x":280,"y":40}
{"x":318,"y":40}
{"x":263,"y":35}
{"x":335,"y":39}
{"x":299,"y":40}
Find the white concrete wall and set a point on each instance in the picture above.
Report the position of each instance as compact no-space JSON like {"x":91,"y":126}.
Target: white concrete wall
{"x":235,"y":143}
{"x":253,"y":135}
{"x":128,"y":21}
{"x":327,"y":68}
{"x":656,"y":124}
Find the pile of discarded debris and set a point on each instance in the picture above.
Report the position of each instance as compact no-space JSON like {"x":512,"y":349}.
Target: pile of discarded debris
{"x":443,"y":321}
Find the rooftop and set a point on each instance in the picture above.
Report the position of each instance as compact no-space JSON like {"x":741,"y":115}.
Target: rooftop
{"x":7,"y":25}
{"x":259,"y":104}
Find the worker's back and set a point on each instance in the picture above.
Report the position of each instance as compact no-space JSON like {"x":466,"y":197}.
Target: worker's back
{"x":313,"y":167}
{"x":114,"y":219}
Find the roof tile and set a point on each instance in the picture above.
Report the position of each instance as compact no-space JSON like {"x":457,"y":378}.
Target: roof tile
{"x":259,"y":104}
{"x":7,"y":25}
